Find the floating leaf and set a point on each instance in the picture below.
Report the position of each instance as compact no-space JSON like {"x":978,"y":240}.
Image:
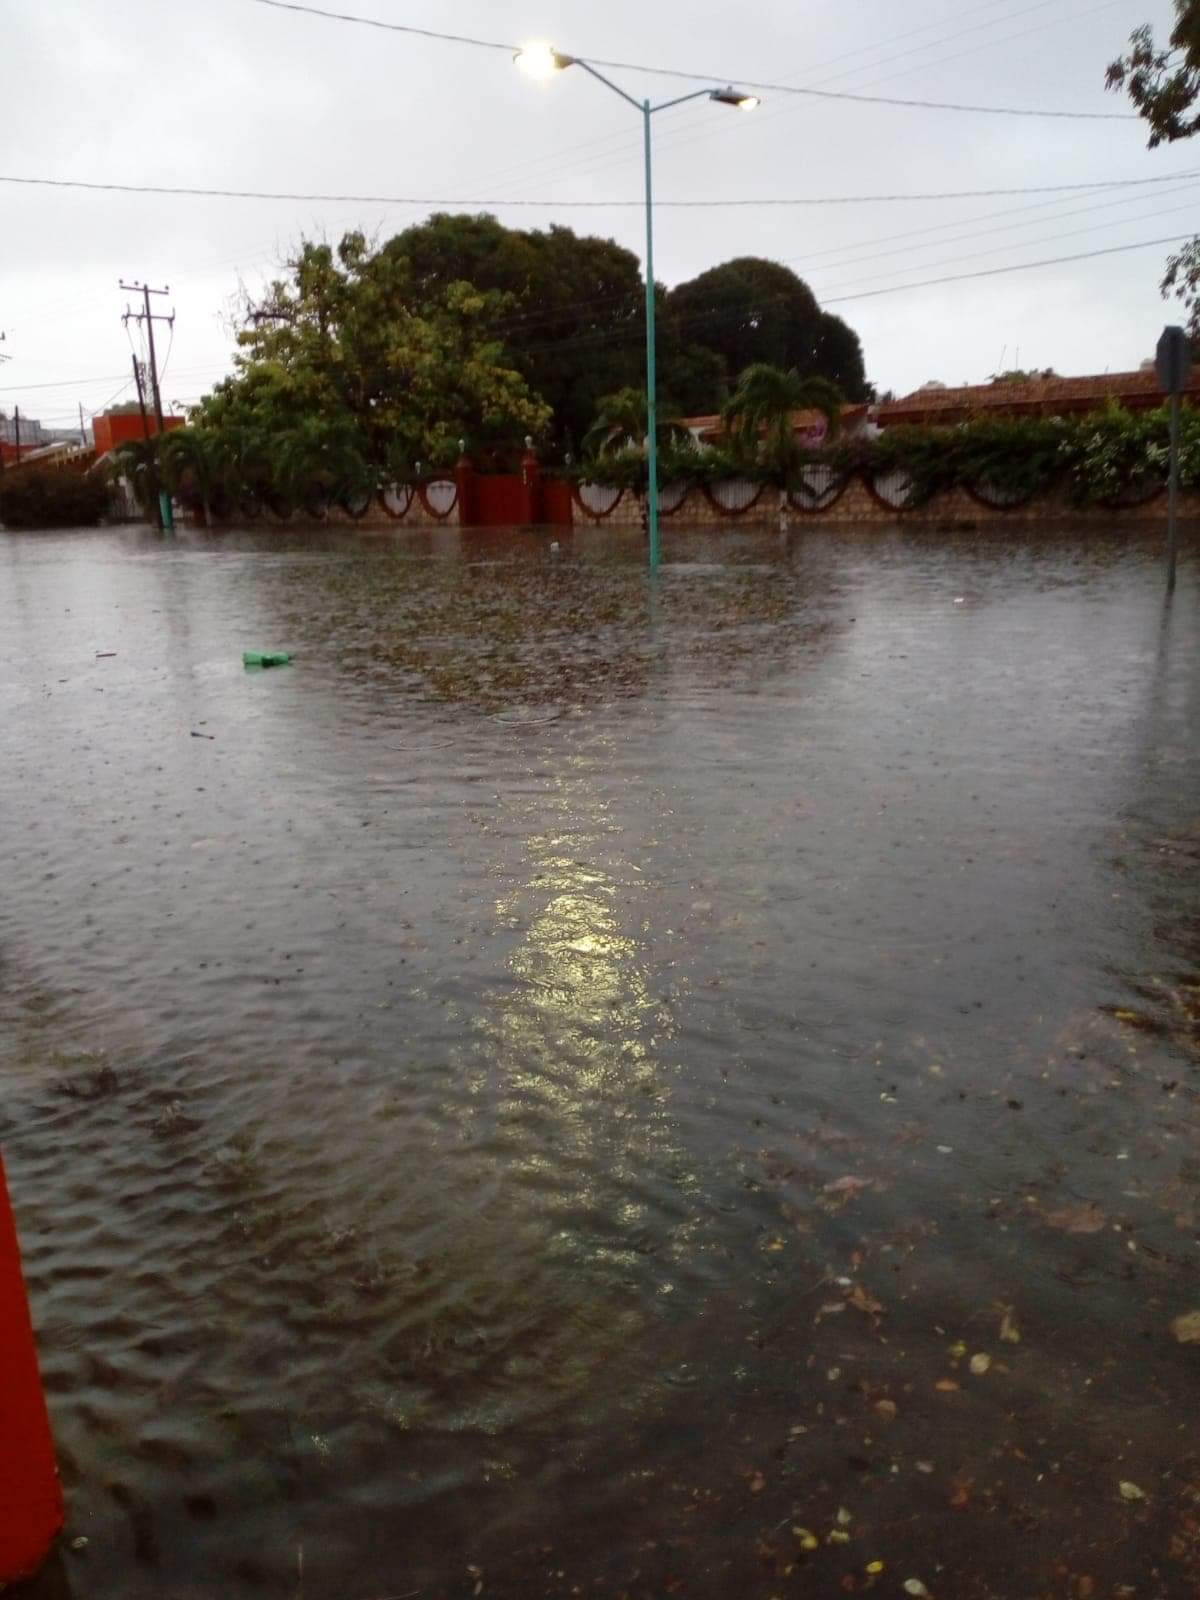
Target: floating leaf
{"x":808,"y":1541}
{"x":924,"y":1466}
{"x":980,"y":1364}
{"x":958,"y":1351}
{"x":1078,"y":1219}
{"x":914,"y":1586}
{"x":1009,"y":1331}
{"x":946,"y":1385}
{"x":1187,"y":1328}
{"x":844,"y":1518}
{"x":874,"y":1567}
{"x":862,"y":1301}
{"x":1130,"y":1491}
{"x":757,"y":1483}
{"x":848,"y":1185}
{"x":886,"y":1409}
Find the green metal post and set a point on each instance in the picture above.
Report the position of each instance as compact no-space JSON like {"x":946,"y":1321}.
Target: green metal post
{"x":651,"y":379}
{"x":1173,"y":502}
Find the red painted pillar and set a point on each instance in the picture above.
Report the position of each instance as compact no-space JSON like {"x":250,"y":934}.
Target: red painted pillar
{"x":464,"y":477}
{"x":31,"y":1507}
{"x":531,"y":483}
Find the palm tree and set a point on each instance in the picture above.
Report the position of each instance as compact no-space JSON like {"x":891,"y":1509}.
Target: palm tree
{"x":190,"y":467}
{"x":621,"y":425}
{"x":136,"y":460}
{"x":758,"y":414}
{"x":318,"y":461}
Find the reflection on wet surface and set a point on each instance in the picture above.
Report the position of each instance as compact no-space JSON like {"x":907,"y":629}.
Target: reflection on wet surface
{"x":580,"y":1086}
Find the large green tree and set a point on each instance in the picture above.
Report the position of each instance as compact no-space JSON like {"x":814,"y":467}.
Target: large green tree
{"x":349,"y":354}
{"x":1164,"y":84}
{"x":574,"y":320}
{"x":750,"y":311}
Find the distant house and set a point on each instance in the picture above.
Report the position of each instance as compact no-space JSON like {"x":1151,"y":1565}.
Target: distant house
{"x":32,"y":437}
{"x":935,"y":404}
{"x":810,"y":427}
{"x":120,"y":427}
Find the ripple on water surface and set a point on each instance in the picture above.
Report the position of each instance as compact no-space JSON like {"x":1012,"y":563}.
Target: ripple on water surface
{"x":579,"y":1078}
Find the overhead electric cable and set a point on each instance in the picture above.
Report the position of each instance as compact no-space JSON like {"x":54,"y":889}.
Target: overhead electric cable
{"x":703,"y":77}
{"x":190,"y":192}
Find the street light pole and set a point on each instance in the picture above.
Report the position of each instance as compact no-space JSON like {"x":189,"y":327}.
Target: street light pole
{"x":543,"y":61}
{"x":651,"y":354}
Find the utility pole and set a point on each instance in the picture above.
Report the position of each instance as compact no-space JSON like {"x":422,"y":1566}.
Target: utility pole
{"x":17,"y":432}
{"x":151,"y":464}
{"x":149,"y":318}
{"x":82,"y":428}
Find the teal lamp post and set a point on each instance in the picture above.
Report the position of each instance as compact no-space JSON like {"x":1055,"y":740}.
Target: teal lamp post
{"x":543,"y":61}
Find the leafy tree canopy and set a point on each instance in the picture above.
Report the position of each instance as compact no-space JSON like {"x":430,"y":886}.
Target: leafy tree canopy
{"x":750,"y":311}
{"x":1164,"y":85}
{"x":365,"y":357}
{"x":576,"y":327}
{"x":347,"y":343}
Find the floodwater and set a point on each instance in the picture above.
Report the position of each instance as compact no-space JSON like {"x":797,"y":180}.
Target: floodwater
{"x":580,"y":1086}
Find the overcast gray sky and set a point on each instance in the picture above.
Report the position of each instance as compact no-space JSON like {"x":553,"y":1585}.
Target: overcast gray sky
{"x":230,"y":93}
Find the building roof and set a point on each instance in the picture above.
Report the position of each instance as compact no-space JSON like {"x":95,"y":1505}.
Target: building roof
{"x":1051,"y":396}
{"x":710,"y":429}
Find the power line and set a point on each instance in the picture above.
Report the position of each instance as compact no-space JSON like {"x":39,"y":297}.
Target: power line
{"x":707,"y":77}
{"x":619,"y":143}
{"x":1024,"y":244}
{"x":388,"y":27}
{"x":689,"y":128}
{"x":995,"y":272}
{"x":587,"y":205}
{"x":67,"y":383}
{"x":821,"y":263}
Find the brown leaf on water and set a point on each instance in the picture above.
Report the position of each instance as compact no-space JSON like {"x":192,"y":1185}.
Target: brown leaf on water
{"x":848,"y":1185}
{"x":886,"y":1409}
{"x":1187,"y":1328}
{"x":946,"y":1385}
{"x":862,"y":1301}
{"x":1078,"y":1219}
{"x":757,"y":1483}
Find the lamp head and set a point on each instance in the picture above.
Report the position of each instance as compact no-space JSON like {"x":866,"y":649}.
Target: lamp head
{"x":736,"y":98}
{"x":540,"y":60}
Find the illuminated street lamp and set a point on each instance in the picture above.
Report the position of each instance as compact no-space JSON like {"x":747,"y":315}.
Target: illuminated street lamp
{"x":542,"y":61}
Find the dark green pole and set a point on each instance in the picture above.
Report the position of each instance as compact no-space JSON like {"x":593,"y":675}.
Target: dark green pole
{"x":651,"y":354}
{"x":1173,"y":496}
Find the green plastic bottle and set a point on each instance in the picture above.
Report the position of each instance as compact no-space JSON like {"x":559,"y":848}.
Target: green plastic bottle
{"x":265,"y":658}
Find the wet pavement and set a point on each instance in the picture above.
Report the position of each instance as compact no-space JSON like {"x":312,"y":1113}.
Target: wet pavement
{"x":588,"y":1087}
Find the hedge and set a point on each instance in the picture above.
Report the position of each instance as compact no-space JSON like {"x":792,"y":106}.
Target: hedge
{"x":1107,"y":457}
{"x":52,"y":499}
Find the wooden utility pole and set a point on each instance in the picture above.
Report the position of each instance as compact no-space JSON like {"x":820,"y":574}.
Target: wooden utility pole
{"x":151,"y":464}
{"x":82,"y":428}
{"x":149,"y":318}
{"x":17,"y":432}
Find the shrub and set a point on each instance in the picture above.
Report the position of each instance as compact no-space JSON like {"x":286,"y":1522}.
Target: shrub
{"x":52,"y":499}
{"x":1109,"y":456}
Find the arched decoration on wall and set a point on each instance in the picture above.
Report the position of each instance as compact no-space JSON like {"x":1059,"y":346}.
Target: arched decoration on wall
{"x":734,"y":496}
{"x":817,"y":488}
{"x":597,"y":499}
{"x":439,"y":497}
{"x":396,"y":499}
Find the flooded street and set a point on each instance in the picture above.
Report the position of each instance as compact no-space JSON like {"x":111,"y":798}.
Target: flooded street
{"x":583,"y":1086}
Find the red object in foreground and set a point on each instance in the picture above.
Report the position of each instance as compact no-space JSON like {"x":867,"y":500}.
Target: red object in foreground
{"x":31,"y":1506}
